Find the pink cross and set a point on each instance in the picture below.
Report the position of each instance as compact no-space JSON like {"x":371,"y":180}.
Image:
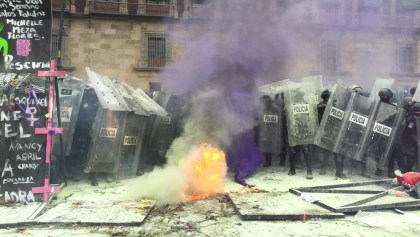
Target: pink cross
{"x":49,"y":131}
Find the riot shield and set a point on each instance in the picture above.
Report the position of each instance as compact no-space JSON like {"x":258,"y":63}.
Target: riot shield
{"x":332,"y":119}
{"x":270,"y":128}
{"x":103,"y":155}
{"x":378,"y":141}
{"x":164,"y":128}
{"x":133,"y":105}
{"x":70,"y":93}
{"x":301,"y":113}
{"x":147,"y":103}
{"x":161,"y":98}
{"x":314,"y":93}
{"x":357,"y":120}
{"x":378,"y":85}
{"x":107,"y":94}
{"x":416,"y":96}
{"x":132,"y":144}
{"x":273,"y":89}
{"x":108,"y":126}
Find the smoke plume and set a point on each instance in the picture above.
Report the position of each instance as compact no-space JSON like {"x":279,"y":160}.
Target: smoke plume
{"x":225,"y":60}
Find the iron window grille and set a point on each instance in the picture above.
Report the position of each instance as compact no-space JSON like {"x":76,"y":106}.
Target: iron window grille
{"x":405,"y":58}
{"x":163,"y":2}
{"x":65,"y":61}
{"x":329,"y":57}
{"x":203,"y":2}
{"x":157,"y":50}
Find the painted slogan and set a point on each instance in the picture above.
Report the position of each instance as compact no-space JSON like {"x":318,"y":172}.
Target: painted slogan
{"x":25,"y":35}
{"x":24,"y":105}
{"x":25,"y":41}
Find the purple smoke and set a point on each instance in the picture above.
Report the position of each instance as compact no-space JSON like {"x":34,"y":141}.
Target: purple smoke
{"x":244,"y":156}
{"x":224,"y":62}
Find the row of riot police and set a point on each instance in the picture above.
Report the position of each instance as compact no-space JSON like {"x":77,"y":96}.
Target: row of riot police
{"x":345,"y":123}
{"x":115,"y":130}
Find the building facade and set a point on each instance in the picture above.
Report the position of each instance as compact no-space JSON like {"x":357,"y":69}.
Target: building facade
{"x":134,"y":40}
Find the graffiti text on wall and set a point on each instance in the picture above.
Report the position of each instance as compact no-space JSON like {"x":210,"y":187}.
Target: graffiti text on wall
{"x":25,"y":35}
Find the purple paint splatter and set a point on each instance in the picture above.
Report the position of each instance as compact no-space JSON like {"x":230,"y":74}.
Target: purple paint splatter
{"x":23,"y":47}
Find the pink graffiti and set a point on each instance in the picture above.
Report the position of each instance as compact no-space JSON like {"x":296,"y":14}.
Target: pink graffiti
{"x":23,"y":46}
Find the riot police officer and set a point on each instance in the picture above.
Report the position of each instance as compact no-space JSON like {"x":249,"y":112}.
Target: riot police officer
{"x":385,"y":96}
{"x":409,"y":138}
{"x":323,"y":153}
{"x":82,"y":137}
{"x":354,"y":163}
{"x":269,"y":130}
{"x":297,"y":151}
{"x":279,"y":103}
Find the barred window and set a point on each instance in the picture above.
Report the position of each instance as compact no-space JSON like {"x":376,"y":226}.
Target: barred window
{"x":405,"y":58}
{"x":202,"y":2}
{"x":329,"y":57}
{"x":158,"y":1}
{"x":157,"y":50}
{"x":65,"y":61}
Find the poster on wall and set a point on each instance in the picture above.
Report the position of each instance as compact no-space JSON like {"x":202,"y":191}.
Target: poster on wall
{"x":25,"y":35}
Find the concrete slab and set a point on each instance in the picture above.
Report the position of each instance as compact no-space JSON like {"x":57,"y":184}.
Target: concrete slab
{"x":277,"y":206}
{"x":336,"y":199}
{"x":97,"y":212}
{"x":14,"y":214}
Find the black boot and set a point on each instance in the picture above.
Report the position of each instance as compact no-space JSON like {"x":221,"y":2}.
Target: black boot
{"x":340,"y":176}
{"x":391,"y":173}
{"x":364,"y":170}
{"x":291,"y":172}
{"x":267,"y":162}
{"x":93,"y":180}
{"x":309,"y":174}
{"x":282,"y":160}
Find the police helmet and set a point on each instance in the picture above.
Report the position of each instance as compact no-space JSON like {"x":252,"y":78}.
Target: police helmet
{"x":355,"y":88}
{"x":415,"y":109}
{"x":265,"y":98}
{"x":413,"y":90}
{"x":325,"y":94}
{"x":385,"y":93}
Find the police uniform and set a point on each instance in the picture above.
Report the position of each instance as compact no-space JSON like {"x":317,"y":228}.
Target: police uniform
{"x":409,"y":143}
{"x":323,"y":153}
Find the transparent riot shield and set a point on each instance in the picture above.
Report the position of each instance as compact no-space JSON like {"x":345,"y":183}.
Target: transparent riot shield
{"x":273,"y":89}
{"x":416,"y":96}
{"x":123,"y":89}
{"x":162,"y":134}
{"x":107,"y":134}
{"x":70,"y":93}
{"x":332,"y":119}
{"x":301,"y":113}
{"x":132,"y":144}
{"x":107,"y":131}
{"x":166,"y":128}
{"x":378,"y":142}
{"x":270,"y":133}
{"x":147,"y":103}
{"x":314,"y":93}
{"x":107,"y":94}
{"x":357,"y":121}
{"x":378,"y":85}
{"x":161,"y":98}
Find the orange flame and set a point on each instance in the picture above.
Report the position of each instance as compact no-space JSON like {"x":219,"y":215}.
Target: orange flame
{"x":206,"y":169}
